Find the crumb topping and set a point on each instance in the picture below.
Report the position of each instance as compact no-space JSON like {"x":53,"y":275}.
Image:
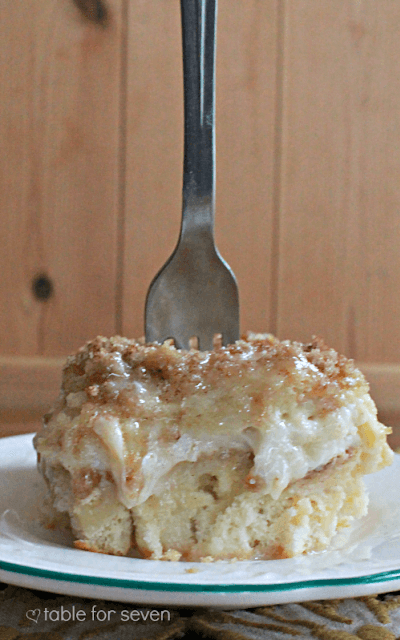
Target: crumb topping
{"x":102,"y":366}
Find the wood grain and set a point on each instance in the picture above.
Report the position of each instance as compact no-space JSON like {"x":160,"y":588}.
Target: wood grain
{"x":154,"y":148}
{"x":339,"y":264}
{"x":384,"y":381}
{"x":246,"y":121}
{"x":28,"y":386}
{"x":18,"y":428}
{"x":59,"y":195}
{"x":245,"y":131}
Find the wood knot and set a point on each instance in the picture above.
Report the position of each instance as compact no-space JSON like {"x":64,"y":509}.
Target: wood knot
{"x":93,"y":10}
{"x":42,"y":287}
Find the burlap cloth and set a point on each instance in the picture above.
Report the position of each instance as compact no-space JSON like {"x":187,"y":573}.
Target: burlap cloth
{"x":35,"y":615}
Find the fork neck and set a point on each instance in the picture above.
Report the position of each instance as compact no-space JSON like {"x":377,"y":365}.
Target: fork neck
{"x":198,"y":43}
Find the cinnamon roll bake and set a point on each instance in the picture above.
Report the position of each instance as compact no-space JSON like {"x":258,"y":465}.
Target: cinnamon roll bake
{"x":256,"y":450}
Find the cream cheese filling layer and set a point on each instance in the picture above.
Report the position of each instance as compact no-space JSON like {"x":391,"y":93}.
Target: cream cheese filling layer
{"x":286,"y":447}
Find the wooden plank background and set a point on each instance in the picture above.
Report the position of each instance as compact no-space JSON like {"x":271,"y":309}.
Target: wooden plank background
{"x":308,"y":159}
{"x":60,"y":86}
{"x":339,"y":263}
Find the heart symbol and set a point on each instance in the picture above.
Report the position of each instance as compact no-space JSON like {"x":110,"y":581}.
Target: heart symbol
{"x":33,"y":614}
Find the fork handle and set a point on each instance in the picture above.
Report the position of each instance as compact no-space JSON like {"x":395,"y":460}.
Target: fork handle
{"x":198,"y":43}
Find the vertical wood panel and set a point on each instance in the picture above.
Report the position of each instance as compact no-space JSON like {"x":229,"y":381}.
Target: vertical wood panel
{"x":59,"y":121}
{"x":154,"y":150}
{"x":340,"y":193}
{"x":246,"y":86}
{"x":246,"y":119}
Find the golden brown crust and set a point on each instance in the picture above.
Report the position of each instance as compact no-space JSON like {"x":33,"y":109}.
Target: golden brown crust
{"x":84,"y":546}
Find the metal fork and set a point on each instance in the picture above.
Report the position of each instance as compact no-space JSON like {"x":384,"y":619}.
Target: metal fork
{"x":195,"y":295}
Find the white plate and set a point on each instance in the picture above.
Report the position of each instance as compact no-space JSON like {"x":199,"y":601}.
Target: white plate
{"x":367,"y":561}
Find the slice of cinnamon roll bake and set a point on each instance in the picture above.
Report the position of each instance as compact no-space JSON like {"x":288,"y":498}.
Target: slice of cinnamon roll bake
{"x":252,"y":451}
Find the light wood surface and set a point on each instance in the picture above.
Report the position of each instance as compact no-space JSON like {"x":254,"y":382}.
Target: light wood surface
{"x":153,"y":151}
{"x":28,"y":386}
{"x":59,"y":126}
{"x":308,"y":161}
{"x":339,"y":264}
{"x":246,"y":121}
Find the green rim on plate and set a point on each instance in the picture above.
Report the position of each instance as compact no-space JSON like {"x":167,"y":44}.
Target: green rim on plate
{"x":173,"y":586}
